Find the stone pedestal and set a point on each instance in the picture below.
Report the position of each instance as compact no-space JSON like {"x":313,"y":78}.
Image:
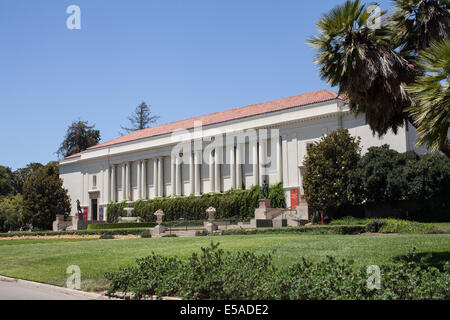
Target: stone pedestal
{"x":261,"y":212}
{"x":265,"y":203}
{"x":158,"y":230}
{"x":78,"y":223}
{"x":211,"y":227}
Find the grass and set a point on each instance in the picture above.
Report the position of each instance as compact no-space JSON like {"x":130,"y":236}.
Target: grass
{"x":47,"y":260}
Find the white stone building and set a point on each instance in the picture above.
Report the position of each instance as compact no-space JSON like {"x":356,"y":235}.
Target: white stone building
{"x":237,"y":148}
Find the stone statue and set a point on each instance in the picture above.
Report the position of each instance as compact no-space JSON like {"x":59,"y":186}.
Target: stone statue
{"x":79,"y":207}
{"x":265,"y":190}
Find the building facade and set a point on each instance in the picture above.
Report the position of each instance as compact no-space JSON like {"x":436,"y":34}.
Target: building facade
{"x":233,"y":149}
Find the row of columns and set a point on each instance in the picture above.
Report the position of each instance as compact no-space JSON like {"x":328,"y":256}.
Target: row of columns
{"x":236,"y":156}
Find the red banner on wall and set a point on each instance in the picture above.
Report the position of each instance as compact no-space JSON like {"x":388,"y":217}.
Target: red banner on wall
{"x":294,"y":198}
{"x":85,"y":214}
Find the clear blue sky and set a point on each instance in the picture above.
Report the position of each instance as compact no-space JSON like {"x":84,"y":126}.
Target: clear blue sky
{"x":185,"y":58}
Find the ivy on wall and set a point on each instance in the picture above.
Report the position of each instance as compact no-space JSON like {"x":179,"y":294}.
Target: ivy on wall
{"x":233,"y":203}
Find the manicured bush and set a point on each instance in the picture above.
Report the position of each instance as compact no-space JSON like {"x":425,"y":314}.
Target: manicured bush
{"x":170,"y":236}
{"x":219,"y":275}
{"x":389,"y":225}
{"x":354,"y":229}
{"x":234,"y":203}
{"x":438,"y":231}
{"x":145,"y":234}
{"x":375,"y":226}
{"x":203,"y":233}
{"x":109,"y":226}
{"x":106,"y":236}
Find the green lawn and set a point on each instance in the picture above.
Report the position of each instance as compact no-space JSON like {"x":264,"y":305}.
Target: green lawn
{"x":47,"y":260}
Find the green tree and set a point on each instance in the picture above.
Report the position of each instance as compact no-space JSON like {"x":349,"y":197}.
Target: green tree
{"x":327,"y":167}
{"x":79,"y":137}
{"x":6,"y":181}
{"x":379,"y":176}
{"x":22,"y":174}
{"x":431,"y":92}
{"x":44,"y":197}
{"x":384,"y":175}
{"x":141,"y":118}
{"x":373,"y":64}
{"x":11,"y":213}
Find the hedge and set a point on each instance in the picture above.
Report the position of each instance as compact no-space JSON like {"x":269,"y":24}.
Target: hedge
{"x":106,"y":226}
{"x":355,"y":229}
{"x":234,"y":203}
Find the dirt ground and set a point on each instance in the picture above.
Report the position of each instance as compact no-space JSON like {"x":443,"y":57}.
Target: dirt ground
{"x":116,"y":237}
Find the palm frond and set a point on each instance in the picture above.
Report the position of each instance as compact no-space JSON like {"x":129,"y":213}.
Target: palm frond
{"x":431,"y":92}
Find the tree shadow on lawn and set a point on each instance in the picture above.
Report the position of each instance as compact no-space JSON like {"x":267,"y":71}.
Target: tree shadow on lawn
{"x":427,"y":259}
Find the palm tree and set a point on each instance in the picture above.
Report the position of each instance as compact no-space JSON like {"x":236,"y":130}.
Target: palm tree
{"x":419,"y":22}
{"x":362,"y":62}
{"x":431,"y":93}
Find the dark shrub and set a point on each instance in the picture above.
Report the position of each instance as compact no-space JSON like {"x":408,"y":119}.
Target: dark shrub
{"x":146,"y":234}
{"x":375,"y":226}
{"x":107,"y":236}
{"x":170,"y":236}
{"x":438,"y":232}
{"x":109,"y":226}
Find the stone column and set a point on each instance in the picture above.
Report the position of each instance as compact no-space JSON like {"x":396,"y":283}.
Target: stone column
{"x":173,"y":180}
{"x":161,"y":176}
{"x":284,"y":152}
{"x":279,"y":161}
{"x":138,"y":178}
{"x":191,"y":174}
{"x":255,"y":163}
{"x":178,"y":176}
{"x":113,"y":183}
{"x":217,"y":175}
{"x":128,"y":178}
{"x":124,"y":181}
{"x":211,"y":171}
{"x":197,"y":172}
{"x":144,"y":179}
{"x":262,"y":160}
{"x":233,"y":166}
{"x":239,"y":153}
{"x":107,"y":190}
{"x":155,"y":177}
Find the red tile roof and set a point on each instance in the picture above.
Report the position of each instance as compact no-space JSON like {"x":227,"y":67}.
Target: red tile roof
{"x":223,"y":116}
